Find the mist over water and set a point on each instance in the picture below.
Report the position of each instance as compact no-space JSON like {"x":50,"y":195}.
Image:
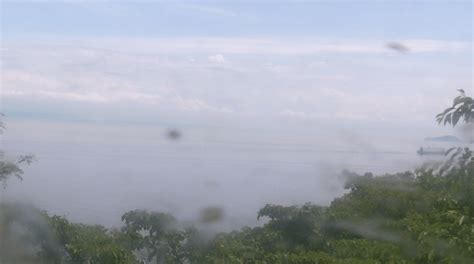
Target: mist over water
{"x":93,"y":173}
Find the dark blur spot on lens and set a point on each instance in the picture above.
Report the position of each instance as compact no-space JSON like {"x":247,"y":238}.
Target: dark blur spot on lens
{"x":173,"y":134}
{"x":211,"y":214}
{"x":399,"y":47}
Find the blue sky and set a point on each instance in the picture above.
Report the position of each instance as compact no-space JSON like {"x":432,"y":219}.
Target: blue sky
{"x":347,"y":19}
{"x":310,"y":61}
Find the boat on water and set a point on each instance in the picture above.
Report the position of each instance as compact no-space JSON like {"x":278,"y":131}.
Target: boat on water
{"x":431,"y":151}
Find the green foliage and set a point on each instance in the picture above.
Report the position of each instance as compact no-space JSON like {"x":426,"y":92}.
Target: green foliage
{"x":11,"y":168}
{"x":297,"y":225}
{"x":417,"y":217}
{"x":25,"y":236}
{"x":402,"y":218}
{"x":156,"y":237}
{"x":8,"y":169}
{"x":457,"y":158}
{"x":89,"y":243}
{"x":463,"y":108}
{"x":28,"y":235}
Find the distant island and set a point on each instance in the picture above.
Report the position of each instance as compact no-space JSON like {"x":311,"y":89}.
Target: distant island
{"x":444,"y":139}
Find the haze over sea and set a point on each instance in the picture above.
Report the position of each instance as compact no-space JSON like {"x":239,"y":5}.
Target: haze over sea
{"x":93,"y":173}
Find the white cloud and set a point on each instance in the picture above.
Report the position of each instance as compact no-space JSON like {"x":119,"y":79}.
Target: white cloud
{"x":218,"y":58}
{"x":93,"y":76}
{"x":23,"y":85}
{"x":292,"y":113}
{"x":198,"y":105}
{"x":262,"y":46}
{"x":429,"y":45}
{"x":303,"y":87}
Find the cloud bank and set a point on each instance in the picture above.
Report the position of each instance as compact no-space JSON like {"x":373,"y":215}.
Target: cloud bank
{"x":306,"y":79}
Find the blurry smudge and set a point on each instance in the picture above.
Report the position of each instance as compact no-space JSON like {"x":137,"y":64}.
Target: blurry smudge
{"x":397,"y":46}
{"x":173,"y":134}
{"x":24,"y":231}
{"x":212,"y":184}
{"x":211,"y":214}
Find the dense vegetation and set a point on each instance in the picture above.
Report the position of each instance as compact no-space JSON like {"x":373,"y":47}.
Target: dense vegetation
{"x":413,"y":217}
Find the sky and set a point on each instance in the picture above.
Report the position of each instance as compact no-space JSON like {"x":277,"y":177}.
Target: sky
{"x":271,"y":97}
{"x":302,"y":60}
